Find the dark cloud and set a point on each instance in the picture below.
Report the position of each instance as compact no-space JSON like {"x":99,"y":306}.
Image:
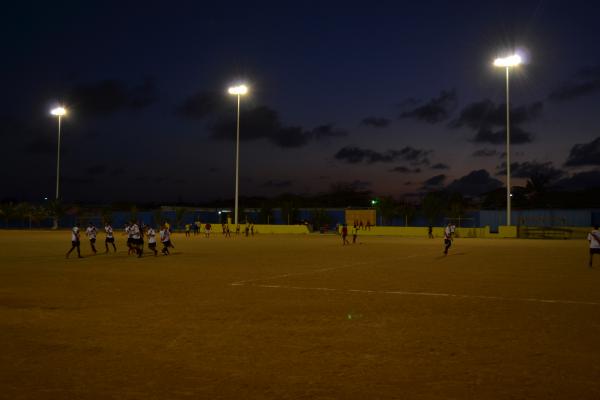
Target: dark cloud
{"x":584,"y":154}
{"x":109,"y":96}
{"x":201,"y":105}
{"x":580,"y":181}
{"x":97,"y":169}
{"x":485,"y":153}
{"x":434,"y":182}
{"x":259,"y":122}
{"x":586,"y":82}
{"x":517,"y":136}
{"x":529,"y":169}
{"x":440,"y":166}
{"x":475,"y":183}
{"x":376,"y":122}
{"x":406,"y":170}
{"x":436,"y":110}
{"x":489,"y":121}
{"x":278,"y":184}
{"x":327,"y":131}
{"x":355,"y":155}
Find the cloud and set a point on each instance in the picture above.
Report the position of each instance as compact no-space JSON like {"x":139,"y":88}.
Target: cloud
{"x":529,"y":169}
{"x":201,"y":105}
{"x":376,"y":122}
{"x":97,"y":169}
{"x":260,"y":122}
{"x":485,"y":153}
{"x":278,"y":184}
{"x":580,"y":181}
{"x":355,"y":155}
{"x":436,"y":110}
{"x":406,"y":170}
{"x":517,"y":136}
{"x":474,"y":183}
{"x":586,"y":82}
{"x":488,"y":120}
{"x":327,"y":131}
{"x":440,"y":166}
{"x":584,"y":154}
{"x":110,"y":96}
{"x":434,"y":182}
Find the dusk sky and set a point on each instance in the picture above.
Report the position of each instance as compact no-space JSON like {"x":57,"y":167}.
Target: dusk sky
{"x":394,"y":97}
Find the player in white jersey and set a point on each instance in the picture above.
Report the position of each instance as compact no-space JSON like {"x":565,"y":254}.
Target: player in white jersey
{"x":129,"y":238}
{"x":136,"y":236}
{"x":75,"y":241}
{"x":447,"y":238}
{"x":91,"y":233}
{"x":165,"y":238}
{"x":110,"y":238}
{"x":594,"y":239}
{"x":151,"y":233}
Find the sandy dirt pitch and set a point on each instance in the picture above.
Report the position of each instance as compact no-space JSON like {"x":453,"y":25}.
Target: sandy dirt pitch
{"x":299,"y":317}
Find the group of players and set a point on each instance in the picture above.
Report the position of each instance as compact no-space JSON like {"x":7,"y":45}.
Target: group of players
{"x":135,"y":238}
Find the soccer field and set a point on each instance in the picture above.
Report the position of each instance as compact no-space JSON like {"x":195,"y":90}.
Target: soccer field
{"x":299,"y":317}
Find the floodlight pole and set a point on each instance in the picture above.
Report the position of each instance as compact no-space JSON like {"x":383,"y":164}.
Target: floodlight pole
{"x":508,"y":211}
{"x":237,"y":159}
{"x":58,"y":160}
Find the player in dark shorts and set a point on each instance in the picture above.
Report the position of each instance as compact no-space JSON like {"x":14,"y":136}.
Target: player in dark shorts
{"x":151,"y":233}
{"x":594,"y":240}
{"x":345,"y":234}
{"x":165,"y":239}
{"x":110,"y":237}
{"x":75,"y":241}
{"x":447,"y":238}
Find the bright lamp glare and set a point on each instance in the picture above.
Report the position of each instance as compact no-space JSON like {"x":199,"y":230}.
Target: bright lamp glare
{"x":241,"y":89}
{"x":510,"y":61}
{"x":58,"y":111}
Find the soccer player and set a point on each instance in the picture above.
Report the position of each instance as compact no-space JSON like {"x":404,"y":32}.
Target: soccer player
{"x":345,"y":235}
{"x":129,"y":238}
{"x":151,"y":233}
{"x":165,"y":239}
{"x":110,"y":238}
{"x":430,"y":231}
{"x":137,"y":241}
{"x":75,"y":241}
{"x":91,"y":233}
{"x":207,"y":229}
{"x":447,"y":238}
{"x":594,"y":239}
{"x":354,"y":233}
{"x":187,"y":230}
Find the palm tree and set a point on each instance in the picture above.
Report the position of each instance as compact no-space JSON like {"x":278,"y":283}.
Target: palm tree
{"x":266,"y":213}
{"x":179,"y":215}
{"x":433,"y":206}
{"x":55,"y":210}
{"x":387,"y":208}
{"x":406,"y":210}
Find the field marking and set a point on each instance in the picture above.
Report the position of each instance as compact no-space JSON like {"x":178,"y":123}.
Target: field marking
{"x":316,"y":271}
{"x":428,"y":294}
{"x":254,"y":283}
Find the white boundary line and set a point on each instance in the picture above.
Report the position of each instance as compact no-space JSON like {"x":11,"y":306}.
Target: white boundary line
{"x":316,"y":271}
{"x":253,"y":283}
{"x":429,"y":294}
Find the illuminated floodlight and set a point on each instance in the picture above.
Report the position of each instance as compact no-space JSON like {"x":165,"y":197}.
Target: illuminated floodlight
{"x":59,"y":111}
{"x":510,"y":61}
{"x":238,"y":90}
